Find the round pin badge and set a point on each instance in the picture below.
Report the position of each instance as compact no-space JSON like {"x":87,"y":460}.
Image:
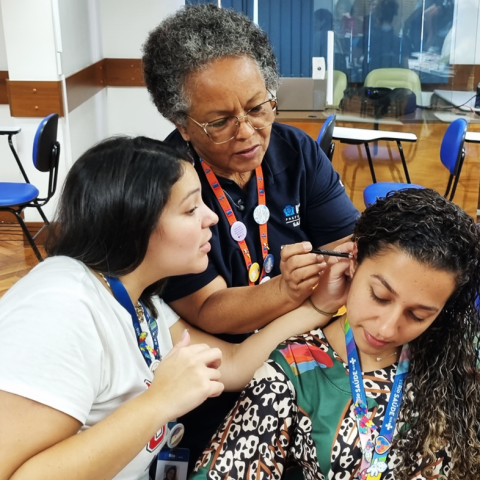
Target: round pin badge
{"x":268,"y":263}
{"x":261,"y":214}
{"x":154,"y":365}
{"x":175,"y":435}
{"x":254,"y":272}
{"x":266,"y":278}
{"x":238,"y":231}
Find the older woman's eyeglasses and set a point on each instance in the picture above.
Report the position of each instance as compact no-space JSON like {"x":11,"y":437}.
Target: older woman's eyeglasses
{"x":225,"y":129}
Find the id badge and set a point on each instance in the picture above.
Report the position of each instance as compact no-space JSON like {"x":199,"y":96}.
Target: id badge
{"x":172,"y":464}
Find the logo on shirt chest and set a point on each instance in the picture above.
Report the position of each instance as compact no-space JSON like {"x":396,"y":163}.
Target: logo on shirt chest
{"x":292,"y":215}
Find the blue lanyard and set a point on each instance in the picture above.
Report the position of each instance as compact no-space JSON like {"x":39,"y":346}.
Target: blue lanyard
{"x":374,"y":459}
{"x":121,"y":294}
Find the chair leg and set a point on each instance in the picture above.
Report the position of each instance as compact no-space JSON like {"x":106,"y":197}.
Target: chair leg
{"x":40,"y":211}
{"x":28,"y":235}
{"x":404,"y":163}
{"x":449,"y":185}
{"x":370,"y":162}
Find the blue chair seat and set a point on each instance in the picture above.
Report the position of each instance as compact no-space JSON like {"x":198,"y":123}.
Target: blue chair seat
{"x":380,"y":190}
{"x":12,"y":194}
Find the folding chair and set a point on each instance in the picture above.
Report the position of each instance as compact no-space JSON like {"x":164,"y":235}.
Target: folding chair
{"x":15,"y":197}
{"x":452,"y":155}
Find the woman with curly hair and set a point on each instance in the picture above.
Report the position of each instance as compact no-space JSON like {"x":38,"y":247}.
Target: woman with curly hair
{"x":389,"y":390}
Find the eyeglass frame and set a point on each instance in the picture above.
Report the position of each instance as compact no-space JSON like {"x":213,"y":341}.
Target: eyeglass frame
{"x":204,"y":125}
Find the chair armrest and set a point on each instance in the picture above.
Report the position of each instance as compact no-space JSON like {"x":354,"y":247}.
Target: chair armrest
{"x":9,"y":130}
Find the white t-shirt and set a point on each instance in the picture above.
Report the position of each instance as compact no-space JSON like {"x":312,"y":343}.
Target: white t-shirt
{"x":67,"y":343}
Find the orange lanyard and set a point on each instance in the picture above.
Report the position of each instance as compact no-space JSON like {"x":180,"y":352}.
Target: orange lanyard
{"x":238,"y":226}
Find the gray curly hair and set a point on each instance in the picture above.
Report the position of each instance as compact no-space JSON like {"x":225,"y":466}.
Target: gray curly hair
{"x":188,"y":41}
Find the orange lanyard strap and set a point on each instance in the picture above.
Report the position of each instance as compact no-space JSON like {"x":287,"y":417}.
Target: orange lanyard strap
{"x":263,"y":227}
{"x":227,"y":210}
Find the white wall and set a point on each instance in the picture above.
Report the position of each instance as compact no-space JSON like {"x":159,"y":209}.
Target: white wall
{"x":29,"y":39}
{"x":125,"y":27}
{"x":131,"y":112}
{"x":465,"y":48}
{"x":88,"y":124}
{"x":126,"y":23}
{"x":81,"y":35}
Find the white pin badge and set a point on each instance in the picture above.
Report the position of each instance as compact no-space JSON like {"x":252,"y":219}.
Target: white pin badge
{"x":238,"y":231}
{"x":261,"y":214}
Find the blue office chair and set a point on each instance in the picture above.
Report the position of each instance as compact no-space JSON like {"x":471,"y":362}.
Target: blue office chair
{"x":452,"y":154}
{"x":324,"y":138}
{"x":15,"y":197}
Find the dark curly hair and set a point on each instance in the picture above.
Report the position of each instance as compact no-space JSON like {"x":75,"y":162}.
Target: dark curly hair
{"x":442,"y":398}
{"x":189,"y":40}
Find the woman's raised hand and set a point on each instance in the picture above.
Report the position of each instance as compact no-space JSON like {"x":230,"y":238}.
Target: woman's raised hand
{"x":300,"y":270}
{"x":334,"y":282}
{"x":187,"y":376}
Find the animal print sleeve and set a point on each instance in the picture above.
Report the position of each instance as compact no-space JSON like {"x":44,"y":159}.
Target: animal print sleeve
{"x":254,"y":440}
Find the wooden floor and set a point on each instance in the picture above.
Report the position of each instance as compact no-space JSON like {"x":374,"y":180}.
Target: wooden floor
{"x":16,"y":260}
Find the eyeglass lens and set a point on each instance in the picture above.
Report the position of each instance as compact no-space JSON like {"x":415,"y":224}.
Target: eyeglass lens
{"x":258,"y":117}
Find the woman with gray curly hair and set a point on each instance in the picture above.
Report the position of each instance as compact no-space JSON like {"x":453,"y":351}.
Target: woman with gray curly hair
{"x":213,"y":74}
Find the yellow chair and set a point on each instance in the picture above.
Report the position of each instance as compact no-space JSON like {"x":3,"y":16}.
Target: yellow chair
{"x":395,"y":78}
{"x":339,"y":85}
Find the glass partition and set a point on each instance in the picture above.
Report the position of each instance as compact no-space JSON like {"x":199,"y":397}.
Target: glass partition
{"x":404,"y":66}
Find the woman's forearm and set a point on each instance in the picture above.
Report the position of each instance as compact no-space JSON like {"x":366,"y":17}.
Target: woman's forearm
{"x":103,"y":450}
{"x":240,"y":361}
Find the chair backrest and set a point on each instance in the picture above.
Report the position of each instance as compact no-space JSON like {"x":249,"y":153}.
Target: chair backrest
{"x":340,"y":84}
{"x":452,"y":144}
{"x":46,"y":151}
{"x":324,"y":138}
{"x":395,"y":78}
{"x":45,"y":143}
{"x":452,"y":153}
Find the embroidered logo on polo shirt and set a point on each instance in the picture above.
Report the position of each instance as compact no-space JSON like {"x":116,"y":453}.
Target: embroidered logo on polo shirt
{"x":292,"y":215}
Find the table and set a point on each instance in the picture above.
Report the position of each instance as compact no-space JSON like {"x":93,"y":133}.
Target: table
{"x":472,"y":137}
{"x":358,"y":136}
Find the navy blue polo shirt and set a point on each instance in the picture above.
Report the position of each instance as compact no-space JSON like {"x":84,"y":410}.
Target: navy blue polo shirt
{"x":306,"y":199}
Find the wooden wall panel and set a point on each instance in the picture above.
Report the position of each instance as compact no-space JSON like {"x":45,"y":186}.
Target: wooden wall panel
{"x":124,"y":72}
{"x":3,"y":87}
{"x":34,"y":98}
{"x":423,"y":160}
{"x":85,"y":84}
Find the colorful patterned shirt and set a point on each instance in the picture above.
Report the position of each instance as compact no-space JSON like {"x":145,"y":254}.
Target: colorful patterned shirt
{"x":298,"y":410}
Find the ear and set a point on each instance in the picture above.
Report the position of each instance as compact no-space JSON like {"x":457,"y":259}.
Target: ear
{"x":183,"y":132}
{"x":353,"y":263}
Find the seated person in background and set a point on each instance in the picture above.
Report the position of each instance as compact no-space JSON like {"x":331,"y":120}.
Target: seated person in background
{"x":83,"y":393}
{"x":381,"y":46}
{"x":212,"y":72}
{"x":328,"y":400}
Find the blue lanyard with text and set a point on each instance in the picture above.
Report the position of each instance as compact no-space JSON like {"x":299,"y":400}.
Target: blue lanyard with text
{"x":121,"y":294}
{"x":374,"y":456}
